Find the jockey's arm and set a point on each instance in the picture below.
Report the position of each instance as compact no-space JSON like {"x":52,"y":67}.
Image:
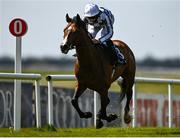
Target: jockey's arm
{"x":91,"y":29}
{"x":109,"y":29}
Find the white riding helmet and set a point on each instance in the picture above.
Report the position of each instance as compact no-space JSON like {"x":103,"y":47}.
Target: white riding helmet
{"x":91,"y":10}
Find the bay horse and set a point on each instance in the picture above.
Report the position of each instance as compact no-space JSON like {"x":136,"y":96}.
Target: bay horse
{"x":94,"y":71}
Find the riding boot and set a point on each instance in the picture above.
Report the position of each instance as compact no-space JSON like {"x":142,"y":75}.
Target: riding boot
{"x":116,"y":55}
{"x":120,"y":57}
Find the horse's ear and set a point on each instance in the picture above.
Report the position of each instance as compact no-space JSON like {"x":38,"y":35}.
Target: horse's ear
{"x":80,"y":22}
{"x":78,"y":18}
{"x":68,"y":19}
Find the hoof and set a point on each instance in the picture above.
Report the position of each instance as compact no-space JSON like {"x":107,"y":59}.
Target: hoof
{"x":111,"y":117}
{"x":99,"y":124}
{"x":127,"y":119}
{"x":86,"y":115}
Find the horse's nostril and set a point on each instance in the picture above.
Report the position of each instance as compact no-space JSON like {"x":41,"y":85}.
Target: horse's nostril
{"x":62,"y":46}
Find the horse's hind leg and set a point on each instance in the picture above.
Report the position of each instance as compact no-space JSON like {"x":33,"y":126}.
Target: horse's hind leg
{"x":127,"y":117}
{"x":80,"y":89}
{"x":126,"y":90}
{"x":129,"y":91}
{"x":123,"y":90}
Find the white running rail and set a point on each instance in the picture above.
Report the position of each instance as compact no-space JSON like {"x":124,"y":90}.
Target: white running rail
{"x":169,"y":82}
{"x":23,"y":76}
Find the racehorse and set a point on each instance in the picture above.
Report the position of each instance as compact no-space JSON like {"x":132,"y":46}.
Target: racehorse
{"x":93,"y":70}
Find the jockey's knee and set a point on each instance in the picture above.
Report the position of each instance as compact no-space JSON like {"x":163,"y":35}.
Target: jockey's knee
{"x":109,"y":43}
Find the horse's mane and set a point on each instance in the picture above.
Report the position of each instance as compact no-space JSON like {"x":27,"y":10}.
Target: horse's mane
{"x":81,"y":24}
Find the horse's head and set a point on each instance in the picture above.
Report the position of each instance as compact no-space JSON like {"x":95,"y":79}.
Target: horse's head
{"x":72,"y":33}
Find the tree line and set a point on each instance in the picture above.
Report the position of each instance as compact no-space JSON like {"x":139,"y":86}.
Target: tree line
{"x":146,"y":62}
{"x":165,"y":63}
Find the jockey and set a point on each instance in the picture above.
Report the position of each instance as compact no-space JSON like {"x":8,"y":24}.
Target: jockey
{"x":102,"y":19}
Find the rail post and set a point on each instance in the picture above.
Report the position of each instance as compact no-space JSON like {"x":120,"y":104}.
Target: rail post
{"x":95,"y":107}
{"x":17,"y":28}
{"x":169,"y":105}
{"x":17,"y":87}
{"x":38,"y":107}
{"x":50,"y":103}
{"x":134,"y":106}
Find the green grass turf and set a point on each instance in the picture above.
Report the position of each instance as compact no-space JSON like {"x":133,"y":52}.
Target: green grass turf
{"x":92,"y":132}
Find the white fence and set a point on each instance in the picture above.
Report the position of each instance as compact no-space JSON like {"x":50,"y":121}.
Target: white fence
{"x":169,"y":82}
{"x":51,"y":78}
{"x":17,"y":102}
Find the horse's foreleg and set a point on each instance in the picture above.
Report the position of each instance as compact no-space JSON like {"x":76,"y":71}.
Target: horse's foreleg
{"x":104,"y":102}
{"x":75,"y":104}
{"x":102,"y":113}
